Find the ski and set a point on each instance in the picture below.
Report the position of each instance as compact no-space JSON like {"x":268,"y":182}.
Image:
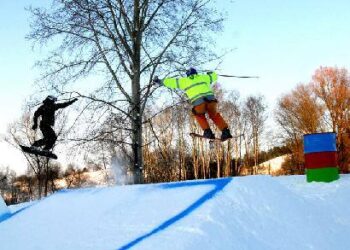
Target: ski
{"x":210,"y":140}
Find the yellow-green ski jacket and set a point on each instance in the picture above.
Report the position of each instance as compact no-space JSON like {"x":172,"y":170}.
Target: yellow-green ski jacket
{"x":197,"y":87}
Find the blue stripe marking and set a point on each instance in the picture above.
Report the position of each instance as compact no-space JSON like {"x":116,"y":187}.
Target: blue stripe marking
{"x":321,"y":142}
{"x":7,"y":216}
{"x":218,"y":184}
{"x":4,"y":217}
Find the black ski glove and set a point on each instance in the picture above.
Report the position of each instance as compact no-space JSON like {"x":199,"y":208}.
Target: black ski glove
{"x":73,"y":101}
{"x":156,"y":81}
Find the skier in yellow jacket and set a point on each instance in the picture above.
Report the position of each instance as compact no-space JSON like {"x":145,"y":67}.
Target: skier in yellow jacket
{"x":198,"y":88}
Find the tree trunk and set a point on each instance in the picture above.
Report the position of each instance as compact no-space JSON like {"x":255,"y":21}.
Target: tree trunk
{"x":136,"y":98}
{"x":137,"y":134}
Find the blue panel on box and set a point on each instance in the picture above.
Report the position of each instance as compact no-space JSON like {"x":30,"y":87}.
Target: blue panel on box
{"x":320,"y":142}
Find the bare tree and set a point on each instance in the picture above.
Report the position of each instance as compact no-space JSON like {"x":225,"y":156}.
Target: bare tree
{"x":21,"y":133}
{"x":5,"y":181}
{"x":74,"y":177}
{"x":231,"y":107}
{"x":126,"y":42}
{"x":297,"y":113}
{"x":254,"y":111}
{"x":332,"y":87}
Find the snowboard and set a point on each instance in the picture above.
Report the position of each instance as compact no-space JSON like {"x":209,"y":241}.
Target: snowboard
{"x":44,"y":153}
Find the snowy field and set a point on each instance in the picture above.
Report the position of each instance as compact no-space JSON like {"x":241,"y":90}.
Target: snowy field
{"x":254,"y":212}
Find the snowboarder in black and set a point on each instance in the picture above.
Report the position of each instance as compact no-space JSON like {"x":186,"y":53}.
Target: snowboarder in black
{"x":47,"y":113}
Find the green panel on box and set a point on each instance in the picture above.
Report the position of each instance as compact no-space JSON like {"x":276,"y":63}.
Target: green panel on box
{"x":322,"y":174}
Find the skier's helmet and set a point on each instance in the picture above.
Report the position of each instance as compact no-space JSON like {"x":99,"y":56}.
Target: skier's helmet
{"x":50,"y":98}
{"x":191,"y":71}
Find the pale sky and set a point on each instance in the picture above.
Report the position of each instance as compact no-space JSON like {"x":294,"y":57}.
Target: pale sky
{"x":283,"y":42}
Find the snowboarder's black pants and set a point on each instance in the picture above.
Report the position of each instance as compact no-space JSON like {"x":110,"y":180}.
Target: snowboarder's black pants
{"x":49,"y":137}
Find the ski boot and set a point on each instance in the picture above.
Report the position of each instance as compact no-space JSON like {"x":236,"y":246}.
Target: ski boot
{"x":208,"y":134}
{"x":226,"y":134}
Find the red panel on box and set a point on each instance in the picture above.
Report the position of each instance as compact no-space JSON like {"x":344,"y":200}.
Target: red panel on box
{"x":321,"y":160}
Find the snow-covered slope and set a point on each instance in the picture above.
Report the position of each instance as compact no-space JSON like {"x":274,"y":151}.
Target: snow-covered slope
{"x":253,"y":212}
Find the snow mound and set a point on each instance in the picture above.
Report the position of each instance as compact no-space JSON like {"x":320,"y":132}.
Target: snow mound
{"x":253,"y":212}
{"x":274,"y":164}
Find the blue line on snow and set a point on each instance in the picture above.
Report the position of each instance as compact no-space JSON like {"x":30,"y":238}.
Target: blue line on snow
{"x":218,"y":184}
{"x":4,"y":217}
{"x":10,"y":215}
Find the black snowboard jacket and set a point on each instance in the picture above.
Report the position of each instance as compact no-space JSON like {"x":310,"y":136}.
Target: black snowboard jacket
{"x":47,"y":112}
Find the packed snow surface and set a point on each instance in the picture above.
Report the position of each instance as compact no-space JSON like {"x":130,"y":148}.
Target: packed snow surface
{"x":254,"y":212}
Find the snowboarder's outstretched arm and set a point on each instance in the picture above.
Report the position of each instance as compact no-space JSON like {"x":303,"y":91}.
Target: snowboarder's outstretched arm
{"x":65,"y":104}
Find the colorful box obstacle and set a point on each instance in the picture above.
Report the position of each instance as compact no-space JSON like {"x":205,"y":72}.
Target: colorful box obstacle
{"x":320,"y":153}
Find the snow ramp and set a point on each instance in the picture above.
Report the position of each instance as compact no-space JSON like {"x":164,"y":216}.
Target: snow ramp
{"x":255,"y":212}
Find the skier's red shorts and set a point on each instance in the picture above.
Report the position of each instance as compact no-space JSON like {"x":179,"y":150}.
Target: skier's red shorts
{"x":209,"y":107}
